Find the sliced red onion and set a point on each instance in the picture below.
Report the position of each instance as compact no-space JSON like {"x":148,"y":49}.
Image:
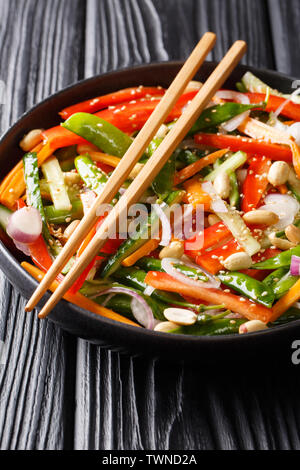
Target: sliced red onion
{"x":217,"y":204}
{"x":183,"y":226}
{"x":190,"y":143}
{"x":142,"y":312}
{"x":241,"y":175}
{"x":294,"y":130}
{"x":285,"y":206}
{"x":140,"y":309}
{"x":25,"y":225}
{"x":166,"y":226}
{"x":151,"y":200}
{"x":231,"y":95}
{"x":149,"y":290}
{"x":23,"y":247}
{"x":167,"y":265}
{"x":235,"y":96}
{"x":235,"y":122}
{"x":295,"y":266}
{"x":105,"y":302}
{"x":283,"y":105}
{"x":233,"y":316}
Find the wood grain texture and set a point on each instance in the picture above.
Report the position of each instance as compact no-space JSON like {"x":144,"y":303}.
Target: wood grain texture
{"x":285,"y":20}
{"x":38,"y":39}
{"x":124,"y":402}
{"x":152,"y":405}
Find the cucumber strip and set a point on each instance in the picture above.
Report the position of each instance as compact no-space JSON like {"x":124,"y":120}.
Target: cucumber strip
{"x":230,"y":165}
{"x":33,"y":191}
{"x":255,"y":85}
{"x":73,"y":183}
{"x":92,"y":176}
{"x":55,"y":216}
{"x":239,"y":230}
{"x":55,"y":178}
{"x":293,"y":184}
{"x":5,"y":214}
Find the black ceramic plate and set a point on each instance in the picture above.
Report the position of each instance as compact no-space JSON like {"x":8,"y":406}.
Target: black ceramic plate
{"x":107,"y":332}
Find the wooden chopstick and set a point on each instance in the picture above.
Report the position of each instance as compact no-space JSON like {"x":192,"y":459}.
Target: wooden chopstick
{"x":128,"y":161}
{"x":151,"y":169}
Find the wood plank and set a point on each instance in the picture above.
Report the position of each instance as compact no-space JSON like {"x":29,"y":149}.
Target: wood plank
{"x":183,"y":22}
{"x":137,"y":403}
{"x":285,"y":20}
{"x":40,"y":53}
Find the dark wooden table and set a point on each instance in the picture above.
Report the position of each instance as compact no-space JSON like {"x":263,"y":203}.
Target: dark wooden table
{"x":58,"y":392}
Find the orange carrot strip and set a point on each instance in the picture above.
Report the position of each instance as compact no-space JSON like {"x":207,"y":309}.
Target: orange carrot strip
{"x":144,"y":250}
{"x":237,"y":304}
{"x":105,"y":158}
{"x":195,"y":194}
{"x":86,"y":241}
{"x":259,"y":130}
{"x":292,"y":296}
{"x":14,"y":183}
{"x":78,"y":299}
{"x":282,"y":189}
{"x":194,"y":168}
{"x":86,"y":148}
{"x":7,"y":180}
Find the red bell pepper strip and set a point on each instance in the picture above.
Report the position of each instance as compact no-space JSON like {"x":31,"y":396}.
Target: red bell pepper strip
{"x":131,"y":117}
{"x":38,"y":250}
{"x":256,"y":183}
{"x":211,"y":236}
{"x":260,"y":274}
{"x":290,"y":110}
{"x":40,"y":254}
{"x":250,"y":310}
{"x":110,"y":247}
{"x":211,"y":260}
{"x":58,"y":137}
{"x":82,"y":278}
{"x":250,"y":146}
{"x":20,"y":204}
{"x":104,"y":167}
{"x":112,"y":99}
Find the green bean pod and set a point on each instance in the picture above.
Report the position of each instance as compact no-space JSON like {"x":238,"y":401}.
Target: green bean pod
{"x":251,"y":288}
{"x":99,"y":132}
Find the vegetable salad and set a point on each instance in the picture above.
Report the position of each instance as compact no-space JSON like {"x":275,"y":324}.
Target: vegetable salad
{"x":240,"y":163}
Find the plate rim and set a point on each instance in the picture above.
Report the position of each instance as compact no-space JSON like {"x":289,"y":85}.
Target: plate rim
{"x":8,"y":260}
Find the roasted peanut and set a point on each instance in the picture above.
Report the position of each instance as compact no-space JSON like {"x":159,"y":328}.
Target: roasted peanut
{"x":165,"y":327}
{"x":31,"y":140}
{"x":193,"y":85}
{"x":174,"y":250}
{"x":280,"y":243}
{"x":261,"y":217}
{"x":252,"y":326}
{"x":162,"y":131}
{"x":72,"y":177}
{"x":180,"y":316}
{"x":213,"y":219}
{"x":278,"y":173}
{"x":71,"y":228}
{"x":293,"y":234}
{"x":222,"y":185}
{"x":137,"y":168}
{"x":238,"y":261}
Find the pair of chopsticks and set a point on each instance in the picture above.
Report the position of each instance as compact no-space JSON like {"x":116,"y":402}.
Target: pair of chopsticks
{"x":149,"y":171}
